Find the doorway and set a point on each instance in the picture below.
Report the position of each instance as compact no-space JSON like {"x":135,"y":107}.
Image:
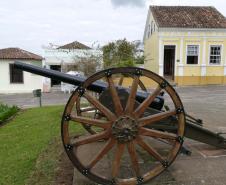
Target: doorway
{"x":169,"y":61}
{"x":56,"y":68}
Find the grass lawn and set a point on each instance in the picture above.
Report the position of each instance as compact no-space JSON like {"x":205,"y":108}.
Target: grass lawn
{"x":23,"y":140}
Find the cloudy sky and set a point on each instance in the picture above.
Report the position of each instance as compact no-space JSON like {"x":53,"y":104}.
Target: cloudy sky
{"x":30,"y":24}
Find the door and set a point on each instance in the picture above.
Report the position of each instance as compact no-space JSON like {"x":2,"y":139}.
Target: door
{"x":169,"y":62}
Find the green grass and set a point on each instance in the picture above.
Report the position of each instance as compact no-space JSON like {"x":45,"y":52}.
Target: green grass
{"x":47,"y":165}
{"x":6,"y":112}
{"x":23,"y":139}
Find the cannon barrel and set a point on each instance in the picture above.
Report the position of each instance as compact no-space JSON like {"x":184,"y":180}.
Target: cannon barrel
{"x":78,"y":80}
{"x":96,"y":87}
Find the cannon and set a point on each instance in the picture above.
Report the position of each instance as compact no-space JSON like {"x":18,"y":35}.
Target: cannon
{"x":144,"y":120}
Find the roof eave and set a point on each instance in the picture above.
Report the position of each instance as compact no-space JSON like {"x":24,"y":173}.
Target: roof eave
{"x":191,"y":29}
{"x":21,"y":59}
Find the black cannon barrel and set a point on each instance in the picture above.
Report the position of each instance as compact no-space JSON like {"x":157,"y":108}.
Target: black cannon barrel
{"x":98,"y":86}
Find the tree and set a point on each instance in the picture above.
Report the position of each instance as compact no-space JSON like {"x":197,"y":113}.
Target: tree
{"x":86,"y":62}
{"x":120,"y":53}
{"x":89,"y":64}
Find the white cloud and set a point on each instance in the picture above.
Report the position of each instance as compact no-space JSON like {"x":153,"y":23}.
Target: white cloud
{"x":31,"y":24}
{"x":118,"y":3}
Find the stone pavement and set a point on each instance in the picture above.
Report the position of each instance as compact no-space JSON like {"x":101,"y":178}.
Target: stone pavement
{"x":206,"y":165}
{"x":27,"y":100}
{"x":196,"y":169}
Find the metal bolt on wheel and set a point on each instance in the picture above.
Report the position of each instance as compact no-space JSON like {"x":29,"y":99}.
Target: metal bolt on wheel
{"x":123,"y":127}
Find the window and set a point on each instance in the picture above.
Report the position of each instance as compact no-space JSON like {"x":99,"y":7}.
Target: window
{"x":192,"y":54}
{"x":149,"y":30}
{"x":16,"y":75}
{"x":151,"y":27}
{"x":215,"y":54}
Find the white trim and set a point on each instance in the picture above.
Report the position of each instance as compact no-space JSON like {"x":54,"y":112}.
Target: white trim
{"x":181,"y":64}
{"x":224,"y":70}
{"x":175,"y":62}
{"x":203,"y":65}
{"x":203,"y":70}
{"x":181,"y":50}
{"x":221,"y":61}
{"x":204,"y":52}
{"x":180,"y":70}
{"x":161,"y":57}
{"x":162,"y":36}
{"x":162,"y":29}
{"x":175,"y":58}
{"x":192,"y":44}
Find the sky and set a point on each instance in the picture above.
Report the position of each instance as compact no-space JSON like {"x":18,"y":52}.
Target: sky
{"x":32,"y":24}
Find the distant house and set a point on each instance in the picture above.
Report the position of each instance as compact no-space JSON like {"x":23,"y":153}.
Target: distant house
{"x":186,"y":44}
{"x":13,"y":80}
{"x":64,"y":59}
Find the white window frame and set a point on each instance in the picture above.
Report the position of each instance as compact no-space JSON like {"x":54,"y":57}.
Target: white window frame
{"x":152,"y":22}
{"x":198,"y":45}
{"x":161,"y":55}
{"x":221,"y":54}
{"x":149,"y":31}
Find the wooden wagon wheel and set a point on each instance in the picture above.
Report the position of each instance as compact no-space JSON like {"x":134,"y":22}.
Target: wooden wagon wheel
{"x":140,"y":83}
{"x":125,"y":128}
{"x":83,"y":110}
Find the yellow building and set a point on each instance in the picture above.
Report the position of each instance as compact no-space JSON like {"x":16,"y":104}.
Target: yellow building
{"x":186,"y":44}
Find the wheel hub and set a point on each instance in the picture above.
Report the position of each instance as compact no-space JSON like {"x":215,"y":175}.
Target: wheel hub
{"x":125,"y":129}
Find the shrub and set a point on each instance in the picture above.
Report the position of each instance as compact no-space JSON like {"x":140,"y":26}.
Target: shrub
{"x":7,"y":111}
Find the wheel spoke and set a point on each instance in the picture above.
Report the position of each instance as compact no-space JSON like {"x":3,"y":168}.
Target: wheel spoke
{"x":100,"y":107}
{"x":117,"y":159}
{"x":109,"y":145}
{"x":115,"y":97}
{"x":144,"y":105}
{"x":143,"y":88}
{"x":149,"y":149}
{"x":121,"y":80}
{"x":91,"y":139}
{"x":156,"y":117}
{"x":88,"y":109}
{"x":90,"y":121}
{"x":134,"y":159}
{"x":157,"y":134}
{"x":132,"y":96}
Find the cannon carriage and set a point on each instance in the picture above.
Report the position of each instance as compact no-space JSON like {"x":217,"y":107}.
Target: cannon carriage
{"x":144,"y":117}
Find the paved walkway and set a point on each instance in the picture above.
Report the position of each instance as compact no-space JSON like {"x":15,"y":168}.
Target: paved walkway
{"x":28,"y":100}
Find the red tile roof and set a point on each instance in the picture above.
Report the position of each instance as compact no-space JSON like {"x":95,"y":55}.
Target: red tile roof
{"x":188,"y":17}
{"x":17,"y":53}
{"x":74,"y":45}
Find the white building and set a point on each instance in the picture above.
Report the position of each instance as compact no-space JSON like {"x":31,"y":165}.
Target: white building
{"x":13,"y":80}
{"x":64,"y":59}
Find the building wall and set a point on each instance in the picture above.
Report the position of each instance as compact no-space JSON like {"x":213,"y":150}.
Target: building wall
{"x":66,"y":57}
{"x":186,"y":74}
{"x":31,"y":81}
{"x":151,"y":46}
